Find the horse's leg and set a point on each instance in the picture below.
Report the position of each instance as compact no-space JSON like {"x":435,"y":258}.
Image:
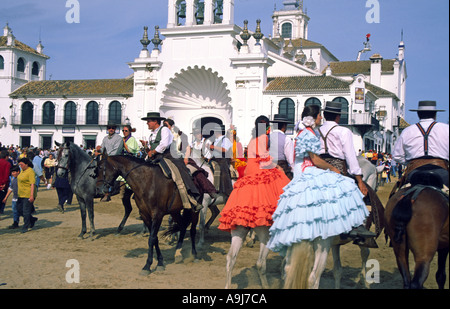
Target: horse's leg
{"x":90,"y":208}
{"x":401,"y":252}
{"x":441,"y":277}
{"x":183,"y":227}
{"x":337,"y":267}
{"x":237,"y":238}
{"x":153,"y":227}
{"x":364,"y":257}
{"x":321,"y":248}
{"x":214,"y":213}
{"x":193,"y":232}
{"x":201,"y":227}
{"x":83,"y":217}
{"x":126,"y":201}
{"x":263,"y":236}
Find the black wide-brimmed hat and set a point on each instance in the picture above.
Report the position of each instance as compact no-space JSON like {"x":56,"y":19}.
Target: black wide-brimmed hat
{"x":429,"y":106}
{"x":153,"y":115}
{"x":112,"y":124}
{"x":333,"y":107}
{"x":278,"y":118}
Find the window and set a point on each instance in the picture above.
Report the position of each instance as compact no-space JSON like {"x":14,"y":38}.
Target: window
{"x":46,"y":141}
{"x":48,"y":113}
{"x":92,"y":113}
{"x":344,"y":109}
{"x":313,"y":101}
{"x":27,"y":113}
{"x":2,"y":63}
{"x":115,"y":112}
{"x":286,"y":30}
{"x":20,"y":65}
{"x":35,"y":69}
{"x":287,"y":107}
{"x":70,"y":113}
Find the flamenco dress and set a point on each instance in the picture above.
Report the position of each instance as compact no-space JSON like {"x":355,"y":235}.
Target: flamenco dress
{"x":254,"y":197}
{"x":316,"y":203}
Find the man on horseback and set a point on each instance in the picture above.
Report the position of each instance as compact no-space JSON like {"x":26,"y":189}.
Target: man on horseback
{"x":112,"y":143}
{"x":158,"y":148}
{"x":336,"y":147}
{"x":281,"y":147}
{"x":220,"y":162}
{"x":424,"y":146}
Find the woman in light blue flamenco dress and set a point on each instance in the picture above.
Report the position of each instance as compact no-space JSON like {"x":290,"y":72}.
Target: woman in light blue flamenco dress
{"x":319,"y":201}
{"x":317,"y":206}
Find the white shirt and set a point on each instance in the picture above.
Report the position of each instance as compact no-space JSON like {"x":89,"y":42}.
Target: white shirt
{"x":410,"y":143}
{"x":288,"y":148}
{"x":166,"y":138}
{"x":340,"y":145}
{"x":223,"y":142}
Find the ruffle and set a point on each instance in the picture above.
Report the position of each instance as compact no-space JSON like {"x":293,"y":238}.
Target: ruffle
{"x":306,"y":142}
{"x":316,"y":203}
{"x":253,"y":200}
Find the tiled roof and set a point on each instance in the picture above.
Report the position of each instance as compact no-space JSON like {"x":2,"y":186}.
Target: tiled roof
{"x":380,"y":92}
{"x":297,"y":43}
{"x":305,"y":83}
{"x":76,"y":88}
{"x":359,"y":67}
{"x":403,"y":124}
{"x":19,"y":45}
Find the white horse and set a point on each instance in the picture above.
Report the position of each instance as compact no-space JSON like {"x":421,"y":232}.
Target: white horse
{"x":369,"y":172}
{"x":237,"y":239}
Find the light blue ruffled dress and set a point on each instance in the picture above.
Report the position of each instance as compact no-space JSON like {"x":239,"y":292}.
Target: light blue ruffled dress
{"x":316,"y":203}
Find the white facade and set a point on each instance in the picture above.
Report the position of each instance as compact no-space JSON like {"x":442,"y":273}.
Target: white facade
{"x":208,"y":70}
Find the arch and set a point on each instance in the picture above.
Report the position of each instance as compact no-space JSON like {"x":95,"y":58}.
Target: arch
{"x":206,"y":123}
{"x":27,"y":113}
{"x":115,"y":112}
{"x":286,"y":30}
{"x":70,"y":113}
{"x":196,"y":88}
{"x":344,"y":109}
{"x":313,"y":101}
{"x":2,"y":62}
{"x":92,"y":112}
{"x":35,"y":69}
{"x":20,"y":65}
{"x":287,"y":107}
{"x":48,"y":113}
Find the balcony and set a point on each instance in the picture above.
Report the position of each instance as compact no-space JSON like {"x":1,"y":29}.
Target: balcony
{"x":364,"y":122}
{"x":59,"y":122}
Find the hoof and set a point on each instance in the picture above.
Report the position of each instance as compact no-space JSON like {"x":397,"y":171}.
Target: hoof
{"x":144,"y":272}
{"x":160,"y":268}
{"x":178,"y":259}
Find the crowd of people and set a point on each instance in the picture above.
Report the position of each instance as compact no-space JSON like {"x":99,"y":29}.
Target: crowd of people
{"x":383,"y":159}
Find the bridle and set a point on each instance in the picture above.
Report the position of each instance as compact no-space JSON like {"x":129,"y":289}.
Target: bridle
{"x":111,"y":184}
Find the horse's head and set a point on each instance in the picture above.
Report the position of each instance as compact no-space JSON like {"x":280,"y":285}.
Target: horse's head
{"x":63,"y":159}
{"x":107,"y":174}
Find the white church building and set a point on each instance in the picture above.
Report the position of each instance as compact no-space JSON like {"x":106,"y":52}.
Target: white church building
{"x":203,"y":68}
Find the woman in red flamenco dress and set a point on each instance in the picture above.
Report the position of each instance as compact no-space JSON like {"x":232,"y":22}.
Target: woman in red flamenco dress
{"x":253,"y":200}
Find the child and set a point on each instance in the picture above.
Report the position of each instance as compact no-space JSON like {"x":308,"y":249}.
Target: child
{"x":14,"y":189}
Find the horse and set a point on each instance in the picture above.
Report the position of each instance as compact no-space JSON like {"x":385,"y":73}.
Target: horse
{"x":417,"y":220}
{"x":155,"y":196}
{"x":83,"y":173}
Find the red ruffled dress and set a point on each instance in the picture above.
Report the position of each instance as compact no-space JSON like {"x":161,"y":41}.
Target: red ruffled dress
{"x":255,"y":196}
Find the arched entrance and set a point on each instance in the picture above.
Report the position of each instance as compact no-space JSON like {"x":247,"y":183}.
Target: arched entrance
{"x":207,"y":124}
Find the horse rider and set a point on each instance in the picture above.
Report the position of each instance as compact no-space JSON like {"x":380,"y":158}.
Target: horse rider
{"x":158,"y":147}
{"x":112,"y":143}
{"x":194,"y":158}
{"x":424,"y":144}
{"x":281,"y":147}
{"x":221,"y":154}
{"x":336,"y":147}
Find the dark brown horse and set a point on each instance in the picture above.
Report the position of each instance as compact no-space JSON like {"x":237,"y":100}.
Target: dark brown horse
{"x":155,"y":196}
{"x":417,"y":220}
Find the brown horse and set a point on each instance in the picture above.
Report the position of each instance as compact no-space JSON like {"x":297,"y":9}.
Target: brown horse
{"x":417,"y":220}
{"x":155,"y":196}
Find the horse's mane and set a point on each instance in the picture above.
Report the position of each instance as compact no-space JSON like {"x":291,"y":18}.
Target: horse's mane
{"x":136,"y":160}
{"x":75,"y":148}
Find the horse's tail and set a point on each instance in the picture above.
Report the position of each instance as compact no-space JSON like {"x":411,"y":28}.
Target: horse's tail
{"x":300,"y":266}
{"x":402,"y":214}
{"x":186,"y":219}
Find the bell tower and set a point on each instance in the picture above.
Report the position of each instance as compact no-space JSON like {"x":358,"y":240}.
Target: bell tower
{"x":291,"y":22}
{"x":188,"y":13}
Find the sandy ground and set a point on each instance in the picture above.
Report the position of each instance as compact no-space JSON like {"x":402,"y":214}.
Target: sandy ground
{"x":37,"y":259}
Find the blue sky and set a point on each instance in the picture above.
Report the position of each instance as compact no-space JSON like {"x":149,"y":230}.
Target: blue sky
{"x":109,"y":31}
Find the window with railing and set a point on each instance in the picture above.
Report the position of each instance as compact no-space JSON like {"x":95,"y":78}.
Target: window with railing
{"x":92,"y":113}
{"x":344,"y":109}
{"x":115,"y":112}
{"x":48,"y":113}
{"x":27,"y":113}
{"x":70,"y":113}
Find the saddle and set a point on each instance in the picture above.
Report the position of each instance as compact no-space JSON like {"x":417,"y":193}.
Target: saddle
{"x":424,"y":174}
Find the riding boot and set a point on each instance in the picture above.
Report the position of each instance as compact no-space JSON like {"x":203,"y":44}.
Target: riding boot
{"x":361,"y":232}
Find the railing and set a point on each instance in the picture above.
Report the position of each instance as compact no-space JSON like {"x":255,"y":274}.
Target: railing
{"x":59,"y":121}
{"x":361,"y":119}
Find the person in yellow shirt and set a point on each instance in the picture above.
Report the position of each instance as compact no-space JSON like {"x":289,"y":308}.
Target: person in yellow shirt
{"x":26,"y":182}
